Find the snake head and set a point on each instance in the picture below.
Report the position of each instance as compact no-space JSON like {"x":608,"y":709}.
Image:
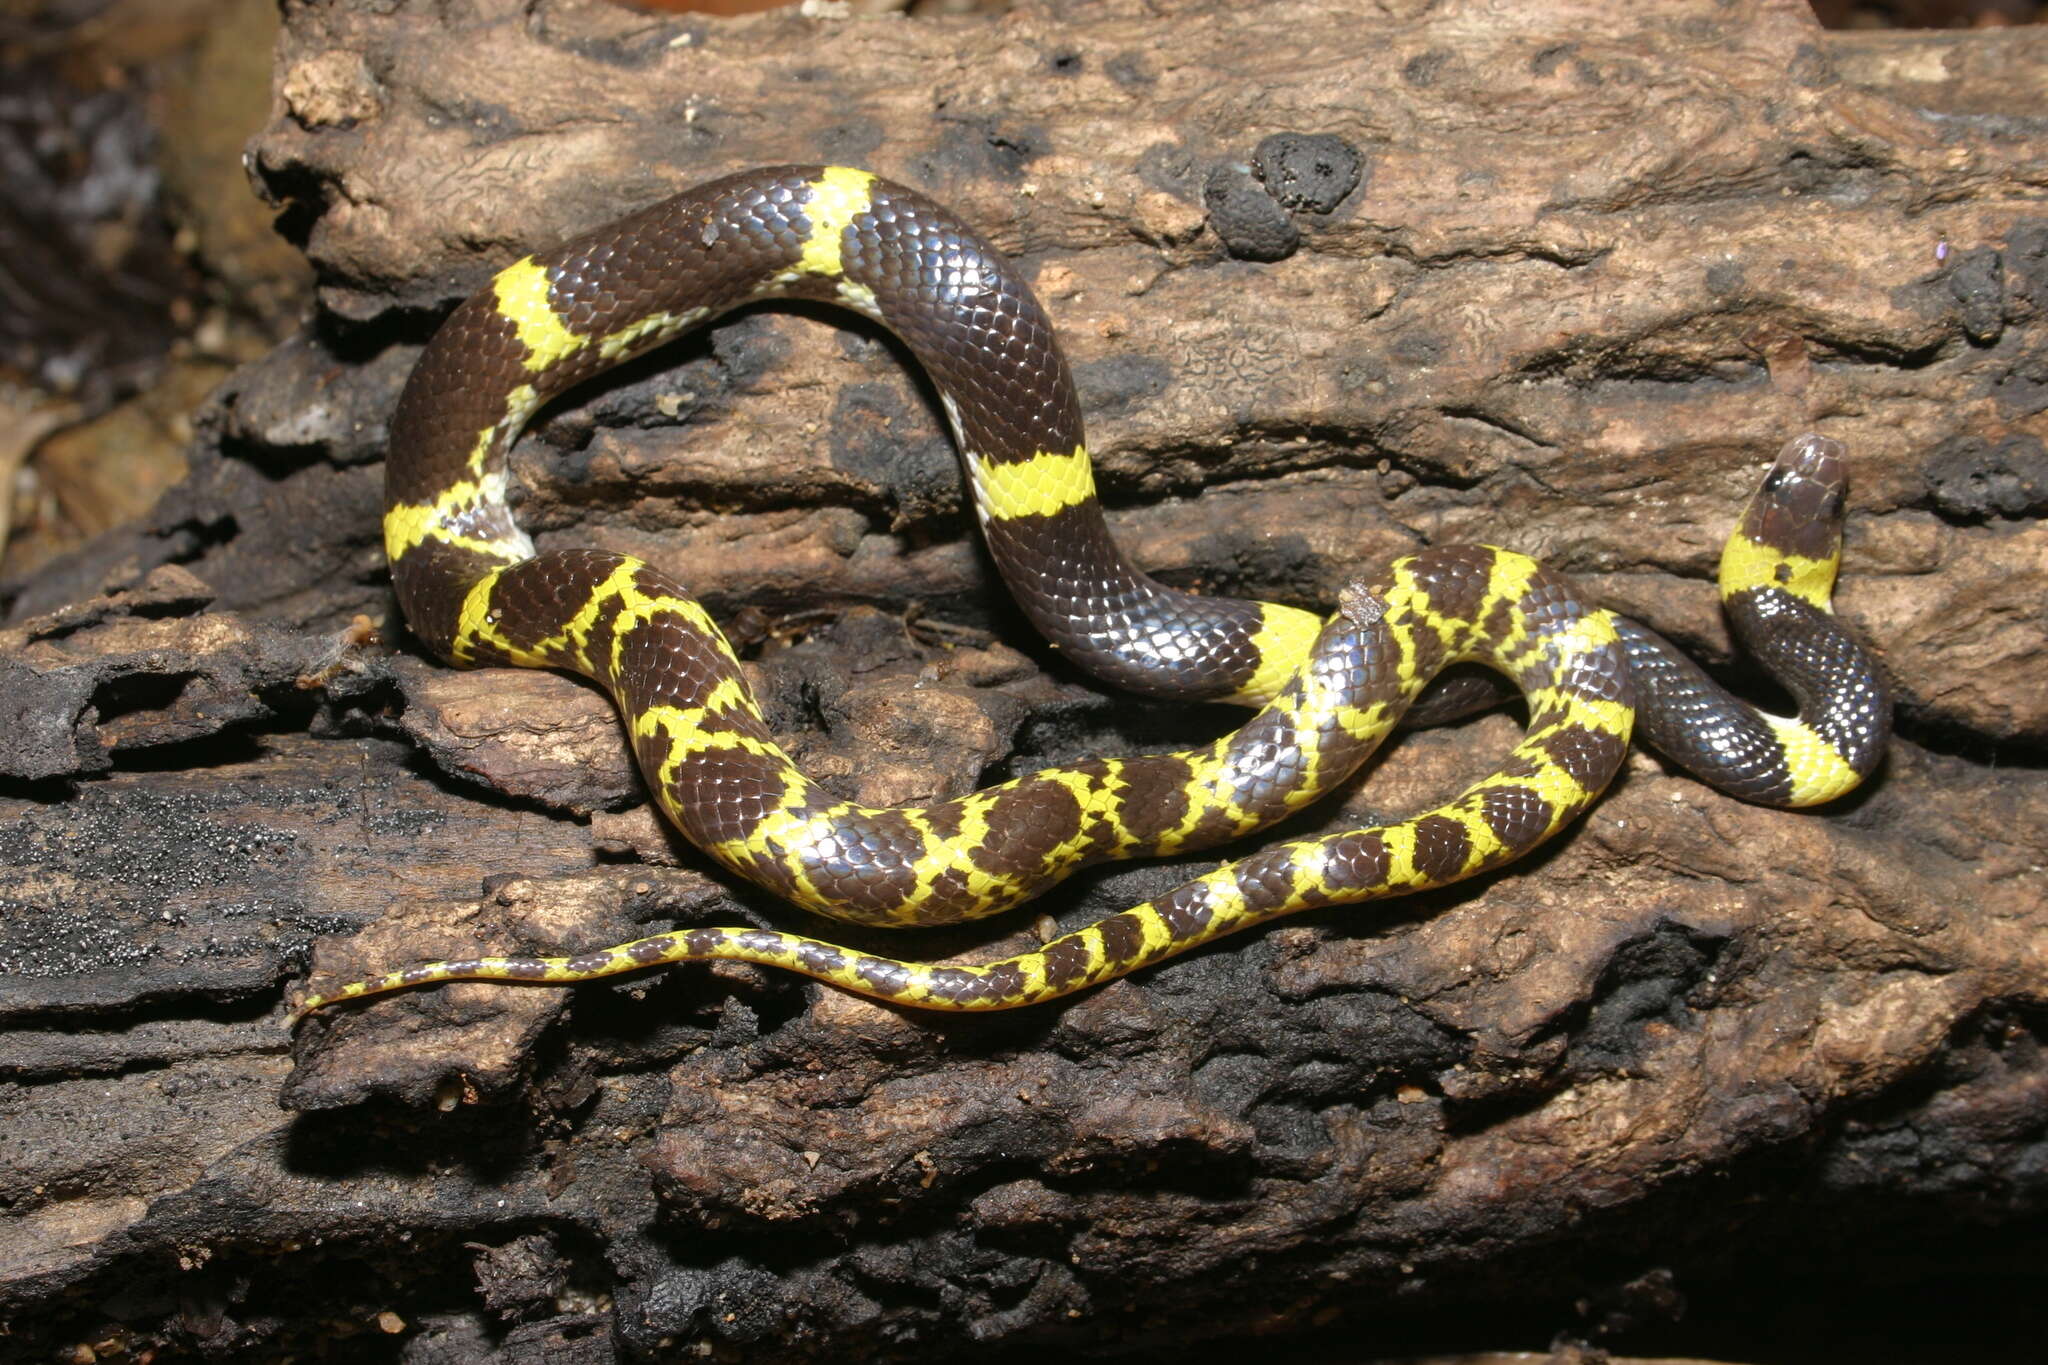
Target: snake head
{"x":1798,"y":510}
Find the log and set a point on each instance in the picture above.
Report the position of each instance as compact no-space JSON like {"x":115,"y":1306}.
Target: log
{"x":1596,"y":265}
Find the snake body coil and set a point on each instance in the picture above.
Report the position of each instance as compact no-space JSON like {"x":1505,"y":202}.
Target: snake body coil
{"x":474,"y":589}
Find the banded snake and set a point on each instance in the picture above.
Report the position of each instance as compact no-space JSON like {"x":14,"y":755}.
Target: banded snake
{"x":476,"y":592}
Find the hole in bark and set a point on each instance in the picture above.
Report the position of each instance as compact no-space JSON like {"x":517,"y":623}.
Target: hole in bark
{"x":124,"y":696}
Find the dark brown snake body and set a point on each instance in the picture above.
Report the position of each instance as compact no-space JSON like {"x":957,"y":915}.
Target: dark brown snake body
{"x":474,"y":589}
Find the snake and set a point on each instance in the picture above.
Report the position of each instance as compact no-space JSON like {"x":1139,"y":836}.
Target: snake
{"x":1326,"y":692}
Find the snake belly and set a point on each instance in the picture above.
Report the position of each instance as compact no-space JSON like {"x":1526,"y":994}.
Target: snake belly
{"x":474,"y":589}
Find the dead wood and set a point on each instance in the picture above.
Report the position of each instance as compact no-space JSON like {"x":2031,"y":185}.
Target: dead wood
{"x":1597,"y":263}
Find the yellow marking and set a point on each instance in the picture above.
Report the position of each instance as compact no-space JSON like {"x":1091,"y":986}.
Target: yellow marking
{"x":480,"y":453}
{"x":990,"y":893}
{"x":1224,"y":896}
{"x":633,"y":606}
{"x":1589,"y":635}
{"x":407,"y":524}
{"x":1031,"y":966}
{"x":576,"y":630}
{"x":1206,"y":774}
{"x":860,"y":298}
{"x":838,"y":197}
{"x":685,"y":727}
{"x":520,"y":404}
{"x":1818,"y":772}
{"x":1308,"y":867}
{"x":1050,"y":481}
{"x":636,"y":608}
{"x":783,"y":838}
{"x":780,"y":835}
{"x":1399,"y":842}
{"x":1282,"y":640}
{"x":522,"y":292}
{"x":720,"y":741}
{"x":647,"y":333}
{"x":1154,"y":936}
{"x":1746,"y":564}
{"x":939,"y":855}
{"x":476,"y":623}
{"x":1609,"y":716}
{"x":1368,"y":726}
{"x":1484,"y":843}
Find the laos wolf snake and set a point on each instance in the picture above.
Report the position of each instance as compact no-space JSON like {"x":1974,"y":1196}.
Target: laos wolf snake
{"x":474,"y":589}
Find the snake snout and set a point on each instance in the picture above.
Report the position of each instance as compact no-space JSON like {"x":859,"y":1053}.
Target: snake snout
{"x":1820,"y":459}
{"x":1799,"y":508}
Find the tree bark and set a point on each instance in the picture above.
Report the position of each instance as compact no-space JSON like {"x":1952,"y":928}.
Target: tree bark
{"x":1599,"y":263}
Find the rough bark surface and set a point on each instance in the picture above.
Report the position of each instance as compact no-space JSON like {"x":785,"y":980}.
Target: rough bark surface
{"x":1597,"y":264}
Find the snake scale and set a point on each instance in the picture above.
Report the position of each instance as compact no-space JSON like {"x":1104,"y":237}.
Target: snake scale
{"x":476,"y":592}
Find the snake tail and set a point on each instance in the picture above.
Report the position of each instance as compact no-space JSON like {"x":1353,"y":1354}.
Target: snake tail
{"x":1433,"y":609}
